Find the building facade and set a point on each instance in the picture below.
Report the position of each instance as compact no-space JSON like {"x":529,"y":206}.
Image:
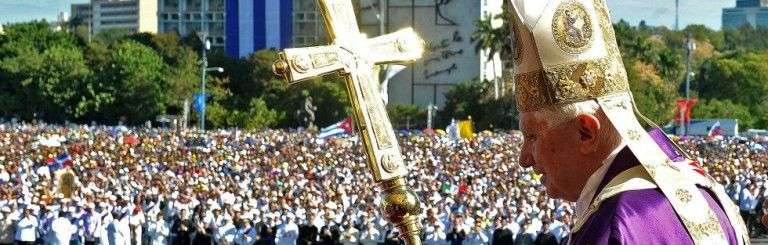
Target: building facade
{"x":308,"y":26}
{"x":450,"y":56}
{"x":132,"y":15}
{"x":81,"y":12}
{"x":256,"y":25}
{"x":190,"y":17}
{"x":746,"y":12}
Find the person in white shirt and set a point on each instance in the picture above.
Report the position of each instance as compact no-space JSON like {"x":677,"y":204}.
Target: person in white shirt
{"x":748,"y":201}
{"x":62,"y":230}
{"x":435,"y":234}
{"x":124,"y":227}
{"x":106,"y":229}
{"x":92,"y":225}
{"x":227,"y":233}
{"x":136,"y":222}
{"x":116,"y":233}
{"x":350,"y":234}
{"x":4,"y":175}
{"x":288,"y":233}
{"x":26,"y":229}
{"x":559,"y":229}
{"x":477,"y":236}
{"x":158,"y":230}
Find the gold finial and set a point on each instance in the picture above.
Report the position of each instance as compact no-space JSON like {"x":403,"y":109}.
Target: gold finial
{"x":280,"y":68}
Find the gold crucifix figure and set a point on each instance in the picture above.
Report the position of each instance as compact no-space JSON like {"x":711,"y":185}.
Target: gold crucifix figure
{"x":354,"y":56}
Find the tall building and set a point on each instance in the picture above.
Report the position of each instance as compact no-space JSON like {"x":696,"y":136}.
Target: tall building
{"x":189,"y":17}
{"x":133,"y":15}
{"x":256,"y":25}
{"x":81,"y":13}
{"x":308,"y":26}
{"x":450,"y":56}
{"x":746,"y":12}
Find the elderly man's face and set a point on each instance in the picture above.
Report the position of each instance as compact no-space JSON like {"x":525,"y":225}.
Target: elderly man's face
{"x":555,"y":153}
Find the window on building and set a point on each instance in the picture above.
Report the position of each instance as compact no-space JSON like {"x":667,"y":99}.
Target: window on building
{"x":762,"y":19}
{"x":197,"y":16}
{"x":303,"y":28}
{"x":187,"y":16}
{"x":174,"y":16}
{"x":220,"y":40}
{"x":216,"y":5}
{"x":194,"y":5}
{"x":171,"y":27}
{"x":118,"y":13}
{"x":298,"y":41}
{"x":193,"y":27}
{"x":171,"y":5}
{"x":303,"y":5}
{"x":209,"y":16}
{"x":118,"y":22}
{"x":216,"y":28}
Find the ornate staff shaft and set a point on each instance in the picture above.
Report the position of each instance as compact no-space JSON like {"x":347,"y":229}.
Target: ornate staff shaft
{"x":354,"y":56}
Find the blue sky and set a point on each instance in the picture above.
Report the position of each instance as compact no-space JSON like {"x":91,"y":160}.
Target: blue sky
{"x":654,"y":12}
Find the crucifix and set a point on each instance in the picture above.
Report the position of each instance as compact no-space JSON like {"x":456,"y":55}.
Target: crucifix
{"x":354,"y":56}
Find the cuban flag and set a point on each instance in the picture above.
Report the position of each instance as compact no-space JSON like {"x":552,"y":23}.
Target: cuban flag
{"x":340,"y":128}
{"x":715,"y":130}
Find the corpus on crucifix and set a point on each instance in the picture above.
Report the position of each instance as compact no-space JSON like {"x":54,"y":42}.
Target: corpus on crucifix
{"x":354,"y":56}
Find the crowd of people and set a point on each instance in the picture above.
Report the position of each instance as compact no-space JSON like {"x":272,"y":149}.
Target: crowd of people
{"x":160,"y":186}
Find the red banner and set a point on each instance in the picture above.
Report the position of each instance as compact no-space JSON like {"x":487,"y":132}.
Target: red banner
{"x":684,"y":108}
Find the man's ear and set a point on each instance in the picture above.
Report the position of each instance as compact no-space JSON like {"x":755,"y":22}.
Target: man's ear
{"x":589,"y":127}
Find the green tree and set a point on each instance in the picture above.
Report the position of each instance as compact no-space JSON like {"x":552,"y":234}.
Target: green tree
{"x":472,"y":99}
{"x":183,"y":73}
{"x":217,"y":111}
{"x":403,"y":116}
{"x":44,"y":74}
{"x":135,"y":75}
{"x":654,"y":97}
{"x":257,"y":117}
{"x":717,"y":109}
{"x":740,"y":78}
{"x":746,"y":39}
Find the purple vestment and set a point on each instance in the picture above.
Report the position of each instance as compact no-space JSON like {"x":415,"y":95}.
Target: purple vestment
{"x":640,"y":216}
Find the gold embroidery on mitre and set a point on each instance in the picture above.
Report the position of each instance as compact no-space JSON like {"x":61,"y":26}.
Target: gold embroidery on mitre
{"x":567,"y":83}
{"x":531,"y":91}
{"x":572,"y":27}
{"x":574,"y":81}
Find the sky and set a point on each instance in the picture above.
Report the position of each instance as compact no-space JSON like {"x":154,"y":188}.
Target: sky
{"x":654,"y":12}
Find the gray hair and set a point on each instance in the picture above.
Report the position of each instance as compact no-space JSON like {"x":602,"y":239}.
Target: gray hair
{"x":557,"y":115}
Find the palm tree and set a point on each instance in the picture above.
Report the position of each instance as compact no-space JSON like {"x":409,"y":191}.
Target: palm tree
{"x":496,"y":40}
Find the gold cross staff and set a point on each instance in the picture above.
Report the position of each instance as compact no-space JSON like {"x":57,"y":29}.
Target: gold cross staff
{"x":354,"y":56}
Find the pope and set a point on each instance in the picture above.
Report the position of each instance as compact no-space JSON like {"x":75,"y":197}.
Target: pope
{"x":583,"y":133}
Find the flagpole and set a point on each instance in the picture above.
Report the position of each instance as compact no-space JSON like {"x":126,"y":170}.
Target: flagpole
{"x":204,"y":65}
{"x":205,"y":69}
